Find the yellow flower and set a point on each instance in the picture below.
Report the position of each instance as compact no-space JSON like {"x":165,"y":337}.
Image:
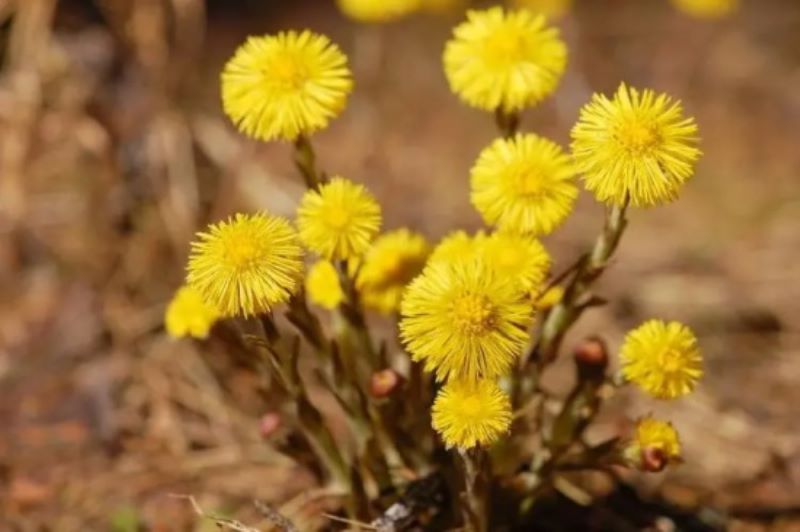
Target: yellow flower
{"x":339,"y":220}
{"x":247,"y":264}
{"x":285,"y":85}
{"x":662,"y":358}
{"x":372,"y":11}
{"x":519,"y":258}
{"x":457,"y":246}
{"x":507,"y":61}
{"x":188,"y":315}
{"x":638,"y":145}
{"x":323,"y":285}
{"x":548,"y":8}
{"x":392,"y":261}
{"x":467,"y":413}
{"x":524,"y":184}
{"x":464,"y":321}
{"x":654,"y":446}
{"x":707,"y":8}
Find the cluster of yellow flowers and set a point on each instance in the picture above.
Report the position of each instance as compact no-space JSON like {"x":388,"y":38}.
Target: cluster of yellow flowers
{"x":381,"y":11}
{"x":468,"y":305}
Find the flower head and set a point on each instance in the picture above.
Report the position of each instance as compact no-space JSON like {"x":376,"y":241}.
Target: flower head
{"x":247,"y":264}
{"x":548,"y":8}
{"x":520,"y":258}
{"x":470,"y":413}
{"x":464,"y":320}
{"x":339,"y":220}
{"x":189,"y":315}
{"x":392,"y":261}
{"x":707,"y":8}
{"x":662,"y":358}
{"x":638,"y":145}
{"x":323,"y":285}
{"x":524,"y":184}
{"x":373,"y":11}
{"x":654,"y":446}
{"x":285,"y":85}
{"x":504,"y":60}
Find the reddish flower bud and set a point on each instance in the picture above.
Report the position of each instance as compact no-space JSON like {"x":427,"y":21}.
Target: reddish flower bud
{"x":269,"y":424}
{"x":653,"y":460}
{"x":384,"y":382}
{"x":591,"y":356}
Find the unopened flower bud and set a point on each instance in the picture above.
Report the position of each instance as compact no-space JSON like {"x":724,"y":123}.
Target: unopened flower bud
{"x":269,"y":424}
{"x":384,"y":382}
{"x":653,"y":460}
{"x":591,"y":356}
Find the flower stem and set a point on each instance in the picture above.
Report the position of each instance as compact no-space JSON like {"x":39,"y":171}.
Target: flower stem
{"x":475,"y":499}
{"x":507,"y":122}
{"x":577,"y":297}
{"x":305,"y":161}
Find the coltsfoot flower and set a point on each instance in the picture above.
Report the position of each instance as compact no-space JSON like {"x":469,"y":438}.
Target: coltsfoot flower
{"x":504,"y":60}
{"x":520,"y":258}
{"x":189,"y":315}
{"x":707,"y":8}
{"x":662,"y":358}
{"x":548,"y":299}
{"x":654,"y":446}
{"x":323,"y":285}
{"x":285,"y":85}
{"x":549,"y":8}
{"x":638,"y":145}
{"x":464,"y":320}
{"x":339,"y":220}
{"x":392,"y":261}
{"x":471,"y":413}
{"x":247,"y":264}
{"x":524,"y":184}
{"x":373,"y":11}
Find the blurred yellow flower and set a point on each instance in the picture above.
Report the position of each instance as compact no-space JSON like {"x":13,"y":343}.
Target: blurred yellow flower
{"x":467,"y":413}
{"x":457,"y":246}
{"x":517,"y":257}
{"x":504,"y":60}
{"x":549,"y":299}
{"x":285,"y":85}
{"x":549,"y":8}
{"x":524,"y":184}
{"x":188,"y":315}
{"x":339,"y":220}
{"x":662,"y":358}
{"x":655,"y":445}
{"x":247,"y":264}
{"x":377,"y":10}
{"x":707,"y":8}
{"x":392,"y":261}
{"x":464,"y":320}
{"x":638,"y":145}
{"x":323,"y":285}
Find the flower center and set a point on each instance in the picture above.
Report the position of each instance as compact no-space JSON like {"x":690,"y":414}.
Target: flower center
{"x":242,"y":254}
{"x":471,"y":407}
{"x":528,"y":184}
{"x":288,"y":73}
{"x":473,"y":314}
{"x":637,"y":138}
{"x":504,"y":48}
{"x":337,"y":218}
{"x":671,"y":362}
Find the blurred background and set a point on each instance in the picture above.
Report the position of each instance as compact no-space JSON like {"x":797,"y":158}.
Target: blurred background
{"x":114,"y":151}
